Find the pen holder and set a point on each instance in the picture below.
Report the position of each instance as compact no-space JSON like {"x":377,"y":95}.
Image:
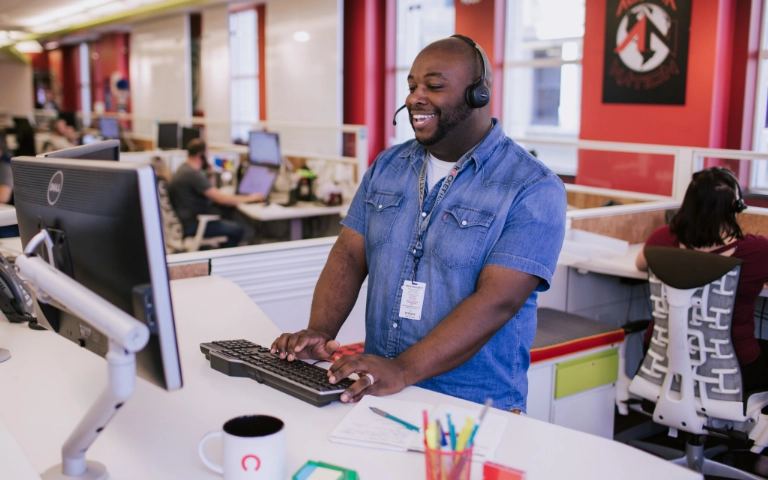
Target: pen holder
{"x":448,"y":465}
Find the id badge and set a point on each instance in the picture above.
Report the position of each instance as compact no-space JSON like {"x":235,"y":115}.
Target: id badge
{"x":412,"y":300}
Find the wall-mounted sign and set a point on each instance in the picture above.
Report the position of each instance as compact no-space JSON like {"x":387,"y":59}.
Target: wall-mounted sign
{"x":646,"y":51}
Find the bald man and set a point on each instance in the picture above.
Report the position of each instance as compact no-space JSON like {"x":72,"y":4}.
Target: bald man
{"x":457,"y":231}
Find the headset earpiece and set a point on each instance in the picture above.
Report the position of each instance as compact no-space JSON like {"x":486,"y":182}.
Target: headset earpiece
{"x":738,"y":205}
{"x":478,"y":94}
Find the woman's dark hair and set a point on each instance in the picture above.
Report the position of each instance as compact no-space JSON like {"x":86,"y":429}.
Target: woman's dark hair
{"x":708,"y":212}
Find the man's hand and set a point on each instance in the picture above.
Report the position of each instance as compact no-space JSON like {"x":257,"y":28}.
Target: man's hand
{"x":309,"y":344}
{"x":388,"y":376}
{"x":255,"y":197}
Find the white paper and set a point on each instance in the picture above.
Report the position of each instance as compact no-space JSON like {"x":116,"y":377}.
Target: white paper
{"x":363,"y":427}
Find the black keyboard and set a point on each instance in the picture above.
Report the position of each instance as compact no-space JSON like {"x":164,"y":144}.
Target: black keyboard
{"x":241,"y":358}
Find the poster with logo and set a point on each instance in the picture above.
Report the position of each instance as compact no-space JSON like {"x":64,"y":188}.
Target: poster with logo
{"x":646,"y":51}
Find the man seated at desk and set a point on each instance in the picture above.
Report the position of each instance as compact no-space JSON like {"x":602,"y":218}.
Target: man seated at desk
{"x":62,"y":136}
{"x":458,"y":231}
{"x":192,"y":194}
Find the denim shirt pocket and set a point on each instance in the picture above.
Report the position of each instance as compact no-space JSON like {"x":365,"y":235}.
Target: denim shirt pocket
{"x":382,"y":211}
{"x":461,"y":238}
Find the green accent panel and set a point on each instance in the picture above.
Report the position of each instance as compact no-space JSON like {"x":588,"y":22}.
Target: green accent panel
{"x":584,"y":373}
{"x":11,"y":52}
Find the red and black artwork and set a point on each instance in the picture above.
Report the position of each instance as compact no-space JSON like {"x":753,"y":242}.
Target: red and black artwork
{"x":646,"y":51}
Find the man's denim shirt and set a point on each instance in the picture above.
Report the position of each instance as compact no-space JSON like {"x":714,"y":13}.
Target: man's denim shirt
{"x":504,"y":208}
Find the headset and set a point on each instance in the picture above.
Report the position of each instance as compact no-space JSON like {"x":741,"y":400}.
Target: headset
{"x":478,"y":94}
{"x":739,"y":206}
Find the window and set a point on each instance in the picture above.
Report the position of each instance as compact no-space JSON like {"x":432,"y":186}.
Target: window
{"x":542,"y":75}
{"x":244,"y":73}
{"x":759,"y":168}
{"x":419,"y":23}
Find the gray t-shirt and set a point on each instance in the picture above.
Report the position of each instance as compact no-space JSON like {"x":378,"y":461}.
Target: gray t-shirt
{"x":6,"y":176}
{"x":186,"y":191}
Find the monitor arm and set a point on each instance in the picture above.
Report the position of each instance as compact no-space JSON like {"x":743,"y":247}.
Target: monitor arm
{"x":126,"y":337}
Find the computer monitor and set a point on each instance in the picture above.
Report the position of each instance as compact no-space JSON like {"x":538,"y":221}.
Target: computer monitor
{"x":107,"y":215}
{"x":70,"y":118}
{"x":109,"y":128}
{"x":21,"y":123}
{"x":189,"y":134}
{"x":264,"y":148}
{"x":105,"y":150}
{"x":103,"y":220}
{"x":257,"y":179}
{"x":167,"y":136}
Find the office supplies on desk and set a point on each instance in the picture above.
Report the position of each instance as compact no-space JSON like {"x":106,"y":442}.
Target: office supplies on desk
{"x":364,"y":428}
{"x":447,"y":465}
{"x":495,"y":471}
{"x":324,"y":471}
{"x":254,"y":448}
{"x":384,"y":414}
{"x":307,"y":382}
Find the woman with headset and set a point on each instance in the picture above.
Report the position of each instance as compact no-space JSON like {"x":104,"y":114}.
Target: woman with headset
{"x":707,"y":222}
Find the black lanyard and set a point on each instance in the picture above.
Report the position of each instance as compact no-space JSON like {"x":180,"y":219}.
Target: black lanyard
{"x":423,"y":218}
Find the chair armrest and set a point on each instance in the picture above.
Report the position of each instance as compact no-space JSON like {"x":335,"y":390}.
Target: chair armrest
{"x":208,"y":218}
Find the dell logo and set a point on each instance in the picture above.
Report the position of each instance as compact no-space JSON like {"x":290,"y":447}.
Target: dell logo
{"x":54,"y":187}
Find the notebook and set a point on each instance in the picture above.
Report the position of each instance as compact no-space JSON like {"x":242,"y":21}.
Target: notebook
{"x":362,"y":427}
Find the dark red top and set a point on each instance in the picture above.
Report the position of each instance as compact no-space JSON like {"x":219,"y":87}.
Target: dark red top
{"x":753,"y":250}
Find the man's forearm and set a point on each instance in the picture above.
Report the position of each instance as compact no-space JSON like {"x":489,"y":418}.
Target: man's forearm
{"x":338,"y":286}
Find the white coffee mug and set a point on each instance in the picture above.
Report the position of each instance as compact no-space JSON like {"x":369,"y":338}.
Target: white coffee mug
{"x":254,"y":449}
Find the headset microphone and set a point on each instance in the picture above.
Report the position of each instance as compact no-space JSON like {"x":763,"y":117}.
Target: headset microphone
{"x":394,"y":118}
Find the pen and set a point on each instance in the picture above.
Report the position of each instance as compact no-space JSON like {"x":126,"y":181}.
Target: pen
{"x":426,"y":422}
{"x":442,"y":442}
{"x":488,"y":403}
{"x":392,"y":417}
{"x":451,"y":432}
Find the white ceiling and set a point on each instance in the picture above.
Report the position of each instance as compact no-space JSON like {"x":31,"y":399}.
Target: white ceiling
{"x":41,"y":16}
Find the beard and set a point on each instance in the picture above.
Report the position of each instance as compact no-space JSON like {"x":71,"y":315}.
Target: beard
{"x":446,"y":121}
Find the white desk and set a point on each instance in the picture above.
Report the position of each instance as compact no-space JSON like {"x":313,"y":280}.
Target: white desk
{"x":273,"y":211}
{"x":49,"y":383}
{"x":618,"y":266}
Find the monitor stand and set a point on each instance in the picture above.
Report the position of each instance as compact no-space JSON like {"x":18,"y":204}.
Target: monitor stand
{"x":126,"y":336}
{"x":4,"y":355}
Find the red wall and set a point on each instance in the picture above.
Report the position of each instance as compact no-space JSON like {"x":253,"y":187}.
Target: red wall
{"x":112,"y":55}
{"x":713,"y":97}
{"x":484,"y":23}
{"x":364,"y":66}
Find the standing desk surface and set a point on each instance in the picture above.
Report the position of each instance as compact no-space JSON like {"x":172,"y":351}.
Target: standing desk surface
{"x":49,"y":383}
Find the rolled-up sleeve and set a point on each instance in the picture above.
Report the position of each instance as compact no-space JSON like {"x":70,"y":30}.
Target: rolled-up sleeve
{"x":533,"y":232}
{"x":356,"y":218}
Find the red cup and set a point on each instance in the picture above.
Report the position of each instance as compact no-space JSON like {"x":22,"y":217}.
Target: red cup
{"x":448,"y":465}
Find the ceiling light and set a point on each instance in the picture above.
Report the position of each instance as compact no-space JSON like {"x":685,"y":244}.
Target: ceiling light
{"x":301,"y":36}
{"x":30,"y":46}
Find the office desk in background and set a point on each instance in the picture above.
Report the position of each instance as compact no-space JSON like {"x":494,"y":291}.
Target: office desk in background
{"x":155,"y":435}
{"x":294,"y":213}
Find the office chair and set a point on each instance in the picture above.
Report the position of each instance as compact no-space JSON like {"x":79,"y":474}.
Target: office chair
{"x":690,"y":371}
{"x":173,"y":232}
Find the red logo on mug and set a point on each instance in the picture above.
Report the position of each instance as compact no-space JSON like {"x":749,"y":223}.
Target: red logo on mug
{"x":245,"y":459}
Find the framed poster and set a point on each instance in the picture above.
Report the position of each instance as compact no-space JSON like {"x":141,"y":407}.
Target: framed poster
{"x":646,"y":51}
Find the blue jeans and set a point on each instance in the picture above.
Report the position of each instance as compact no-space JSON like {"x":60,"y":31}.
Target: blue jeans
{"x":220,"y":228}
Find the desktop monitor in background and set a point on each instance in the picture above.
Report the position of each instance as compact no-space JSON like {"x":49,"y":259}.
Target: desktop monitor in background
{"x":109,"y":128}
{"x":21,"y":123}
{"x":70,"y":118}
{"x":105,"y":150}
{"x":189,"y":134}
{"x":168,"y":136}
{"x":264,"y":148}
{"x":257,"y":179}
